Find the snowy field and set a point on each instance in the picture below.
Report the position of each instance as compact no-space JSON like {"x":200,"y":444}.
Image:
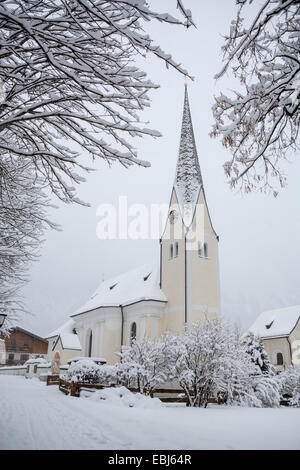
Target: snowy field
{"x":34,"y":416}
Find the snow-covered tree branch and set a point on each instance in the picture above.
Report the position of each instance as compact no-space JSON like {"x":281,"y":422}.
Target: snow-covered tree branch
{"x":259,"y":122}
{"x":69,"y":76}
{"x":68,"y":84}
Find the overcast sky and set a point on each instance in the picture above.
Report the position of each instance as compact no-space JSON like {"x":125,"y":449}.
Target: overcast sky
{"x":259,"y":246}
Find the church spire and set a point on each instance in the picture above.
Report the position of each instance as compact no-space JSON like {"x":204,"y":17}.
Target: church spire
{"x":188,"y":179}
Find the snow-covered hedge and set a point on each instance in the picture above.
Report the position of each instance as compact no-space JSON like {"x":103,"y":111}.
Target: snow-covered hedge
{"x":87,"y":371}
{"x":290,"y":386}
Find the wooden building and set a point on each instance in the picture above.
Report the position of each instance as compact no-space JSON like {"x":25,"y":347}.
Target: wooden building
{"x":21,"y":345}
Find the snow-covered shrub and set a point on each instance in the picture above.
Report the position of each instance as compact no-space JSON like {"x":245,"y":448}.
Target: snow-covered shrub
{"x":121,"y":396}
{"x":107,"y":375}
{"x":199,"y":355}
{"x":213,"y":362}
{"x":87,"y":371}
{"x":248,"y":376}
{"x":84,"y":371}
{"x":145,"y":364}
{"x":266,"y":389}
{"x":290,"y":386}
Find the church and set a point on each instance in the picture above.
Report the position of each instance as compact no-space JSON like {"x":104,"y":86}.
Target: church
{"x":148,"y":301}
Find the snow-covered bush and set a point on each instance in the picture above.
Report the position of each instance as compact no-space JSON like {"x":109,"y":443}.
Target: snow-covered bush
{"x":121,"y":396}
{"x":83,"y":371}
{"x":197,"y":363}
{"x":290,"y":386}
{"x":107,"y":375}
{"x":248,"y":374}
{"x":213,"y":362}
{"x":145,"y":364}
{"x":266,"y":389}
{"x":87,"y":371}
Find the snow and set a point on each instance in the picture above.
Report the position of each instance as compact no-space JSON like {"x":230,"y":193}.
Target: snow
{"x":70,"y":341}
{"x":37,"y":360}
{"x":34,"y":416}
{"x":129,"y":287}
{"x":121,"y":396}
{"x":278,"y":322}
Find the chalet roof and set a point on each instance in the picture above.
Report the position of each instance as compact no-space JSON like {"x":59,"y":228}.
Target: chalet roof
{"x":29,"y":333}
{"x":188,"y":178}
{"x":133,"y":286}
{"x":276,"y":323}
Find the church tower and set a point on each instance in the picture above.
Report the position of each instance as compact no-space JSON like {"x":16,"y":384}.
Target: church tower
{"x":189,"y":271}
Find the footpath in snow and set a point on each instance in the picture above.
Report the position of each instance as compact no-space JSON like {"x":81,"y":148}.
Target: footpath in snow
{"x":34,"y":416}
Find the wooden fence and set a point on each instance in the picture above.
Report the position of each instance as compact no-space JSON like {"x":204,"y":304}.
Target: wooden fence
{"x":53,"y":379}
{"x":166,"y":395}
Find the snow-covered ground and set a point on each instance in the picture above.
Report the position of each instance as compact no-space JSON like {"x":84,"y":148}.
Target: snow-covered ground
{"x":34,"y":416}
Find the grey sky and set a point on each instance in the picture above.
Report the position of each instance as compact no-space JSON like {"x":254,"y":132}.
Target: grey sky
{"x":259,"y":236}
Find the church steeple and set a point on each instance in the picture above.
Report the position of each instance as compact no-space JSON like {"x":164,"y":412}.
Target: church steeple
{"x":188,"y":178}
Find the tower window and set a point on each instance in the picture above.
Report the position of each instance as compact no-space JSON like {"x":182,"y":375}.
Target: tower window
{"x":171,"y":251}
{"x":173,"y":216}
{"x":203,"y":250}
{"x":200,"y":249}
{"x":176,"y":249}
{"x":132,"y":333}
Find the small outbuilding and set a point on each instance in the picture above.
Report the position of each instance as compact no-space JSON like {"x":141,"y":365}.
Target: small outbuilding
{"x":280,"y":332}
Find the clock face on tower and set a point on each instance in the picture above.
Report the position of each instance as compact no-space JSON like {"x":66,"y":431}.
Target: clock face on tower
{"x":173,"y":216}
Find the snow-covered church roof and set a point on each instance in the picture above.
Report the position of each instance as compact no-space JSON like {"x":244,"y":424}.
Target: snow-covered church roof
{"x":188,"y":178}
{"x":66,"y":328}
{"x":276,"y":323}
{"x":69,"y":339}
{"x":133,"y":286}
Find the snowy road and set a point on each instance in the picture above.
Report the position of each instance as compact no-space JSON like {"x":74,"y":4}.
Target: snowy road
{"x":34,"y":416}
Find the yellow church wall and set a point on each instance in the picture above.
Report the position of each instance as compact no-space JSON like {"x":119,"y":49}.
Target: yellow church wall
{"x":205,"y":271}
{"x":111,"y":345}
{"x":173,"y":274}
{"x":65,"y":354}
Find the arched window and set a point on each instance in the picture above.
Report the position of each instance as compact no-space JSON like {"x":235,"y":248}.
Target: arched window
{"x":89,"y":343}
{"x":279,"y":359}
{"x":176,"y":249}
{"x":171,"y":251}
{"x":205,"y":250}
{"x":132,"y":333}
{"x":200,"y":249}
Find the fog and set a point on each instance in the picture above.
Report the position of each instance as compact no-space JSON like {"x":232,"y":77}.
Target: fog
{"x":259,"y":235}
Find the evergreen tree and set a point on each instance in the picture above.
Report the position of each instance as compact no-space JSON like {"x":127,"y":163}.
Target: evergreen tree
{"x":254,"y":347}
